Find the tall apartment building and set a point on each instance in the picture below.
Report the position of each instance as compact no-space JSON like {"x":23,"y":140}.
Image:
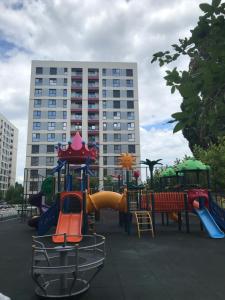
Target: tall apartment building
{"x":8,"y":153}
{"x":98,"y":99}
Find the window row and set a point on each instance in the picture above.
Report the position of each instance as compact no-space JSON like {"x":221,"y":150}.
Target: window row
{"x":117,"y":83}
{"x":50,"y":103}
{"x":118,"y":126}
{"x":79,"y":71}
{"x":117,"y":93}
{"x":50,"y":137}
{"x":51,"y":81}
{"x":117,"y":72}
{"x":117,"y":104}
{"x":52,"y":114}
{"x":117,"y":137}
{"x":49,"y":161}
{"x":49,"y":126}
{"x":117,"y":115}
{"x":50,"y":92}
{"x":117,"y":149}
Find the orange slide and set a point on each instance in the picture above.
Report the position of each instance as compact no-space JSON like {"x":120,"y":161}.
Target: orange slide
{"x":69,"y":223}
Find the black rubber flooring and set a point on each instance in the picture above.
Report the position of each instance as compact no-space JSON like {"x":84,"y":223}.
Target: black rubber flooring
{"x":174,"y":265}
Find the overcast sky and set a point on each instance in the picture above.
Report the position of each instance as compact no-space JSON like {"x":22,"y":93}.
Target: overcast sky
{"x":97,"y":30}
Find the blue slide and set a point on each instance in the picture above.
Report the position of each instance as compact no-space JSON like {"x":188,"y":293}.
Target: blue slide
{"x":209,"y":223}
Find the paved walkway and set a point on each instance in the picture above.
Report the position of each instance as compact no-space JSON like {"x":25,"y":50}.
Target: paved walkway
{"x":174,"y":265}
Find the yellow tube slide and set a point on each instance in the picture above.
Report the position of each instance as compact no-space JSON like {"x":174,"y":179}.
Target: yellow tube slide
{"x":106,"y":199}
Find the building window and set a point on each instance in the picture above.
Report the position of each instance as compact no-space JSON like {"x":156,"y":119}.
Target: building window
{"x":34,"y":161}
{"x":51,"y":125}
{"x":37,"y":114}
{"x":105,"y":149}
{"x":131,"y":148}
{"x":36,"y":125}
{"x":116,"y":115}
{"x":116,"y":104}
{"x":104,"y":160}
{"x":37,"y":103}
{"x":50,"y":148}
{"x":104,"y":105}
{"x":65,"y":93}
{"x":104,"y":93}
{"x":103,"y":72}
{"x":65,"y":81}
{"x":130,"y":93}
{"x":53,"y":71}
{"x":64,"y":103}
{"x":105,"y":172}
{"x":52,"y":103}
{"x":65,"y":71}
{"x":51,"y":137}
{"x":64,"y":125}
{"x":116,"y":93}
{"x":50,"y":161}
{"x":39,"y":70}
{"x":63,"y":137}
{"x":116,"y":72}
{"x":117,"y":137}
{"x":129,"y":83}
{"x":38,"y":92}
{"x":116,"y":126}
{"x":130,"y":104}
{"x":104,"y":137}
{"x":33,"y":173}
{"x":129,"y":72}
{"x":35,"y":149}
{"x":116,"y":83}
{"x":38,"y":81}
{"x":104,"y":117}
{"x":52,"y":92}
{"x":51,"y":114}
{"x":130,"y":115}
{"x":104,"y":82}
{"x":130,"y":126}
{"x":52,"y":81}
{"x":116,"y":161}
{"x":35,"y":137}
{"x":117,"y":149}
{"x":131,"y":137}
{"x":33,"y":185}
{"x":104,"y":126}
{"x":64,"y":114}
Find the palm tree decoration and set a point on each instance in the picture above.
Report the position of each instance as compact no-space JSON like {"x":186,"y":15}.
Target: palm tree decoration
{"x":151,"y":164}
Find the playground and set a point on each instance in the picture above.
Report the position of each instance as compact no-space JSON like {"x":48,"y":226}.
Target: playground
{"x":134,"y":243}
{"x":174,"y":265}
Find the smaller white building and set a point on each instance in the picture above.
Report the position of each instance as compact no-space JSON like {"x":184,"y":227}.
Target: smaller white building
{"x":8,"y":153}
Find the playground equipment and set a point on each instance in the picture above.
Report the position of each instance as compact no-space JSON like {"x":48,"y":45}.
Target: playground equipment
{"x":67,"y":269}
{"x":62,"y":271}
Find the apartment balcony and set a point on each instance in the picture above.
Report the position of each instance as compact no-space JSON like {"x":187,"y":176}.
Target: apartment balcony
{"x":93,"y":76}
{"x":93,"y":86}
{"x":93,"y":132}
{"x":93,"y":96}
{"x":76,"y":88}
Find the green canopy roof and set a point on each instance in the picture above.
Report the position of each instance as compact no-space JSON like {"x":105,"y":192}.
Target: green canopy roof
{"x":192,"y":165}
{"x":168,"y":172}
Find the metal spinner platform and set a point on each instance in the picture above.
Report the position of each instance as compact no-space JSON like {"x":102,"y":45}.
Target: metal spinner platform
{"x":65,"y":270}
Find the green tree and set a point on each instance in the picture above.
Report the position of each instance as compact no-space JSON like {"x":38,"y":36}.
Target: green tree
{"x":214,"y":156}
{"x":202,"y":87}
{"x":151,"y":164}
{"x":14,"y":194}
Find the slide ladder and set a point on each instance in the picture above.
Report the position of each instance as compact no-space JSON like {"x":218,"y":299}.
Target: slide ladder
{"x":144,"y":222}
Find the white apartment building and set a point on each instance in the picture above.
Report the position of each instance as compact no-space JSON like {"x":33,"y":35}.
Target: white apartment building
{"x":8,"y":153}
{"x":98,"y":99}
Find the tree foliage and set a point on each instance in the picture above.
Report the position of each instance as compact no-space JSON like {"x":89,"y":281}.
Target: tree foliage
{"x":215,"y":157}
{"x":202,"y":87}
{"x":151,"y":164}
{"x":14,"y":194}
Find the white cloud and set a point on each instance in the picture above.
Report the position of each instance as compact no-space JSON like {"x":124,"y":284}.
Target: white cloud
{"x":113,"y":30}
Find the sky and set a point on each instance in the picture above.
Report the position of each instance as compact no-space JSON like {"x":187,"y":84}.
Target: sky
{"x":97,"y":30}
